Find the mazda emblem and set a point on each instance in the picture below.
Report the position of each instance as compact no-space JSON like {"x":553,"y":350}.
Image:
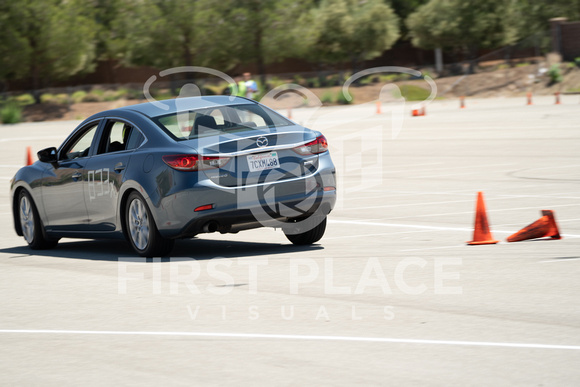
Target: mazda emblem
{"x":262,"y":142}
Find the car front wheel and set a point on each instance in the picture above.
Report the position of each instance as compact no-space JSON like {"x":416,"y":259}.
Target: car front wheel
{"x":141,"y":230}
{"x":30,"y":224}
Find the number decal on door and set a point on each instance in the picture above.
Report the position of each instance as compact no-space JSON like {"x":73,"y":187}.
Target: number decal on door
{"x":99,"y":184}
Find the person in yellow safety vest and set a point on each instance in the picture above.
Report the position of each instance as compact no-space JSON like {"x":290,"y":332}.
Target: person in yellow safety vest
{"x":242,"y":89}
{"x":251,"y":86}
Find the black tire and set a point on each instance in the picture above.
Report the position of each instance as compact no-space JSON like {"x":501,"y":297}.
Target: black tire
{"x":31,"y":225}
{"x":309,"y":237}
{"x":142,"y":231}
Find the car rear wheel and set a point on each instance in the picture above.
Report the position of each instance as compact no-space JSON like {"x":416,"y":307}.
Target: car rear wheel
{"x":30,"y":224}
{"x":309,"y":237}
{"x":141,"y":230}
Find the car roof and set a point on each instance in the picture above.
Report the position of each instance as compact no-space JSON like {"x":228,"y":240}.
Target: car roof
{"x":157,"y":108}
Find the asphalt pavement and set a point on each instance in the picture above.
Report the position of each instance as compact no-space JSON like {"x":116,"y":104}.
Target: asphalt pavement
{"x":392,"y":295}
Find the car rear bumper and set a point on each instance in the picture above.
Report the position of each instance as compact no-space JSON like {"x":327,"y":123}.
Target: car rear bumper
{"x":241,"y":208}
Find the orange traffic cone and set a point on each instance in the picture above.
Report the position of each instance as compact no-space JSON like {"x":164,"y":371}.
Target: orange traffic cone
{"x":462,"y":102}
{"x":415,"y":113}
{"x":544,"y":227}
{"x":289,"y":114}
{"x":553,"y":232}
{"x":557,"y":94}
{"x":378,"y":107}
{"x":29,"y":156}
{"x":423,"y":111}
{"x":481,"y":233}
{"x":529,"y":95}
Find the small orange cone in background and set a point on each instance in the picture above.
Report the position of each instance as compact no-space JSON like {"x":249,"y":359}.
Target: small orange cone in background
{"x":462,"y":102}
{"x":29,"y":160}
{"x":529,"y":95}
{"x":544,"y":227}
{"x":423,"y":111}
{"x":481,"y":233}
{"x":289,"y":114}
{"x":415,"y":113}
{"x":557,"y":94}
{"x":378,"y":107}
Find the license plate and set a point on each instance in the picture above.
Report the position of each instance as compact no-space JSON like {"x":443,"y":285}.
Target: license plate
{"x":263,"y":161}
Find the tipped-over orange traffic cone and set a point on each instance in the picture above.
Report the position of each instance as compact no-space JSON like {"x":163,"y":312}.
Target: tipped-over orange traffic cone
{"x":29,"y":156}
{"x":544,"y":227}
{"x":415,"y":113}
{"x":481,"y":233}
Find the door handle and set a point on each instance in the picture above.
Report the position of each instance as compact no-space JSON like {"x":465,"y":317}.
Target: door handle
{"x":77,"y":176}
{"x":119,"y":167}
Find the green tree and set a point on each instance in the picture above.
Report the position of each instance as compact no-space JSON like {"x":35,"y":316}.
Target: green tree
{"x":170,"y":33}
{"x":534,"y":15}
{"x":464,"y":24}
{"x":45,"y":40}
{"x":266,"y":31}
{"x":350,"y":30}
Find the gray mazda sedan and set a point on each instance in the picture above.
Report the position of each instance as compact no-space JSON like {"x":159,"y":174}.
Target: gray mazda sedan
{"x":160,"y":171}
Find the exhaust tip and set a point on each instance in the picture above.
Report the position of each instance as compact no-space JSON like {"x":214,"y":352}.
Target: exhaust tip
{"x":211,"y":226}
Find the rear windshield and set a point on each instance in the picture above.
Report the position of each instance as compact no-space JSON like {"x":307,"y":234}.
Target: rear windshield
{"x":187,"y":125}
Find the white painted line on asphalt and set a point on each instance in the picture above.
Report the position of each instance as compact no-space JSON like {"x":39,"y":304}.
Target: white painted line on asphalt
{"x":447,"y":168}
{"x":436,"y":248}
{"x":299,"y":337}
{"x":11,"y":166}
{"x":373,"y":235}
{"x":30,"y":138}
{"x":454,"y":174}
{"x":439,"y":228}
{"x":554,"y":166}
{"x":549,"y":196}
{"x":496,"y":210}
{"x":409,"y":204}
{"x":561,"y":260}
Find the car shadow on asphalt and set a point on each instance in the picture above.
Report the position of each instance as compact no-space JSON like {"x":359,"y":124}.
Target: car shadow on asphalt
{"x":199,"y":249}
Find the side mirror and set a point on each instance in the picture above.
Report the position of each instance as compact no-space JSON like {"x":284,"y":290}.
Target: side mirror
{"x":48,"y":155}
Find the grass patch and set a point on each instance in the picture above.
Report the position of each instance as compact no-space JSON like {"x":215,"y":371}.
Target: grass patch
{"x":414,"y":93}
{"x":58,"y":99}
{"x":22,"y":99}
{"x":11,"y":114}
{"x":327,"y":97}
{"x":341,"y":99}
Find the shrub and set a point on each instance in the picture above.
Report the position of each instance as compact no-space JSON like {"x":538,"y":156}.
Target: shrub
{"x":341,"y":99}
{"x":59,"y":99}
{"x":414,"y":93}
{"x":135,"y":94}
{"x":327,"y":97}
{"x":299,"y":80}
{"x":22,"y":99}
{"x":122,"y":93}
{"x":78,"y":96}
{"x":577,"y":61}
{"x":110,"y":95}
{"x":555,"y":74}
{"x":92,"y":97}
{"x":11,"y":114}
{"x":275,"y":82}
{"x":161,"y":94}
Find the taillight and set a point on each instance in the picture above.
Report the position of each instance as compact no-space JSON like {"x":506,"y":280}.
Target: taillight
{"x":320,"y":145}
{"x":194,"y":162}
